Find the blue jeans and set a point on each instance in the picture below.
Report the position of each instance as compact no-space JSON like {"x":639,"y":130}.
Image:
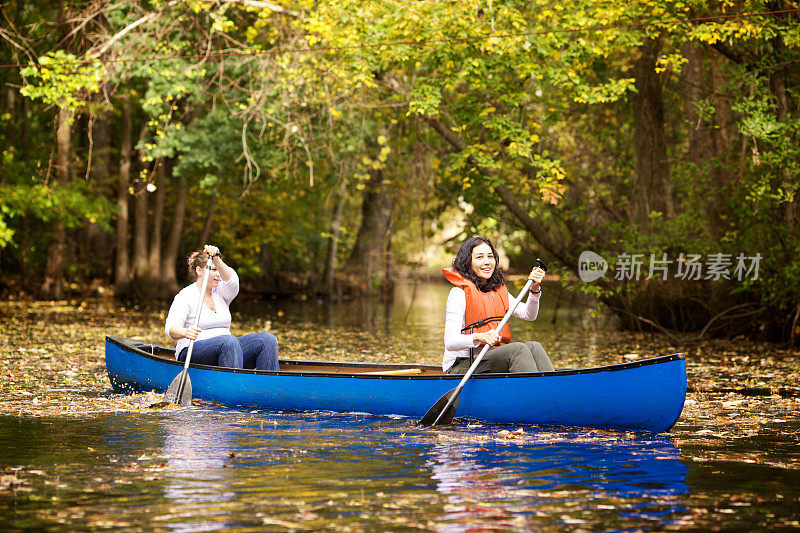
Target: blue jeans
{"x":256,"y":350}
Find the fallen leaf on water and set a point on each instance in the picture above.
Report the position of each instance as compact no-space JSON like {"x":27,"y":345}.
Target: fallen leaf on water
{"x":10,"y":481}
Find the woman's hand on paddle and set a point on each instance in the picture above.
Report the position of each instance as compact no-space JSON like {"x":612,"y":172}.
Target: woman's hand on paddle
{"x":191,"y":333}
{"x":536,"y":275}
{"x":212,"y":251}
{"x":224,"y":270}
{"x":487,"y":337}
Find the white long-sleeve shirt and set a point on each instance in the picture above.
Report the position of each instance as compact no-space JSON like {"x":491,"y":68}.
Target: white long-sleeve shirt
{"x":457,"y":344}
{"x":212,"y":323}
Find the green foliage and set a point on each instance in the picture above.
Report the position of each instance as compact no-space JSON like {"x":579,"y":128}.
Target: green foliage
{"x":6,"y":233}
{"x":74,"y":203}
{"x":63,"y":79}
{"x":448,"y":100}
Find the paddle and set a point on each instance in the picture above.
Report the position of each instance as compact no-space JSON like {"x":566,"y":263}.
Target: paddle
{"x":444,"y":410}
{"x":180,"y":390}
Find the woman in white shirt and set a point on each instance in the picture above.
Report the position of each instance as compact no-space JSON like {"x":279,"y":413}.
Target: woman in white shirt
{"x":214,"y":344}
{"x":475,"y":306}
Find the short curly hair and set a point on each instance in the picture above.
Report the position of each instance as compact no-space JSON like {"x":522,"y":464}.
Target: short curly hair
{"x":196,"y":259}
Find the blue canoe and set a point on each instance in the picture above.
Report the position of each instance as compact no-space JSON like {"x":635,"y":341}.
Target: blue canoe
{"x":645,"y":395}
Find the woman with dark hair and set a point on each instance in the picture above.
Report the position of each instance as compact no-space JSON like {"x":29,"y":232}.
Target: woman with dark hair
{"x":214,"y":343}
{"x":476,"y":305}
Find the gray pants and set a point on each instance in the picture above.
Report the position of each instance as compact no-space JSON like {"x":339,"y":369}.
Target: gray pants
{"x":513,"y":357}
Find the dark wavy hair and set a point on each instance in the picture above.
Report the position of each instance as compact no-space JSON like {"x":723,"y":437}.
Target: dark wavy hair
{"x":463,"y":264}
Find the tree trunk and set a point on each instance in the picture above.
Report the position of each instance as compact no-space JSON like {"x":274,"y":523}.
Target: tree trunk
{"x":697,"y":89}
{"x":93,"y":238}
{"x":24,"y":128}
{"x":387,"y":284}
{"x":333,"y":243}
{"x":11,"y":96}
{"x":376,"y":215}
{"x":25,"y":251}
{"x":63,"y":146}
{"x":140,"y":234}
{"x":154,"y":254}
{"x":122,"y":270}
{"x":140,"y":225}
{"x":101,"y":149}
{"x":267,"y":270}
{"x":169,"y":259}
{"x":25,"y":132}
{"x":11,"y":107}
{"x":778,"y":86}
{"x":52,"y":287}
{"x":212,"y":207}
{"x":652,"y":168}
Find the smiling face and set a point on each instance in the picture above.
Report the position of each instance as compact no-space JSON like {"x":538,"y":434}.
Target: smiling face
{"x":483,"y":261}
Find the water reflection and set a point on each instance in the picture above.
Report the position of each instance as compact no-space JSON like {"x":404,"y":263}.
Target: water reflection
{"x":417,"y":305}
{"x":195,"y":473}
{"x":228,"y":469}
{"x":557,"y":472}
{"x":209,"y":469}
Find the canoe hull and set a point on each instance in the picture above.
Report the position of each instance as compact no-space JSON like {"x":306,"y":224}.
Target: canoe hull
{"x":643,"y":396}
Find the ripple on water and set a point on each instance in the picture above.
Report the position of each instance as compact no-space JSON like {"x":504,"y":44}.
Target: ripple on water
{"x":208,"y":468}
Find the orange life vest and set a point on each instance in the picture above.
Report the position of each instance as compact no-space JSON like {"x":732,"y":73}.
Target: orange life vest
{"x":485,"y":310}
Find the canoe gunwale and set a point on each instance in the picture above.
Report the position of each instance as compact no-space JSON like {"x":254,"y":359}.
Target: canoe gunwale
{"x":129,"y":345}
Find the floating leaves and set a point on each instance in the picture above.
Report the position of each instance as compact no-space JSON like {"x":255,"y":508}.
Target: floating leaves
{"x":51,"y":355}
{"x":11,"y":480}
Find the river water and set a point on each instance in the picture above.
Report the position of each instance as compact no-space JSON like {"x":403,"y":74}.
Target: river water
{"x":730,"y":463}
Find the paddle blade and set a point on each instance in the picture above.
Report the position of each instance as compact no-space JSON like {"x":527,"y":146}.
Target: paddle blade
{"x":177,"y":393}
{"x":441,"y":413}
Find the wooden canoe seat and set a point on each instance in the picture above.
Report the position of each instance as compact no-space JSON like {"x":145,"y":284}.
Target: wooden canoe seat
{"x":402,"y":371}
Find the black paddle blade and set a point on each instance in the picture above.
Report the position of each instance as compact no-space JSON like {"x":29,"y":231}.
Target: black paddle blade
{"x":442,"y":414}
{"x":177,"y":394}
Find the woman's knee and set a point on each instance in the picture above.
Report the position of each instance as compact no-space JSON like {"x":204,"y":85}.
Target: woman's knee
{"x":268,"y":358}
{"x":540,"y":356}
{"x":227,"y":342}
{"x":535,"y":347}
{"x":269,"y":339}
{"x":230,"y":353}
{"x":517,"y":348}
{"x":265,"y":341}
{"x":519,"y":355}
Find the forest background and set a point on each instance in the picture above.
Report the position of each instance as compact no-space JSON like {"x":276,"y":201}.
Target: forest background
{"x":325,"y":145}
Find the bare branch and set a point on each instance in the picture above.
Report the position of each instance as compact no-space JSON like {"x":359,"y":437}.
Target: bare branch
{"x":252,"y":169}
{"x":6,"y":35}
{"x":120,"y":34}
{"x":83,"y":21}
{"x":309,"y":158}
{"x":725,"y":312}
